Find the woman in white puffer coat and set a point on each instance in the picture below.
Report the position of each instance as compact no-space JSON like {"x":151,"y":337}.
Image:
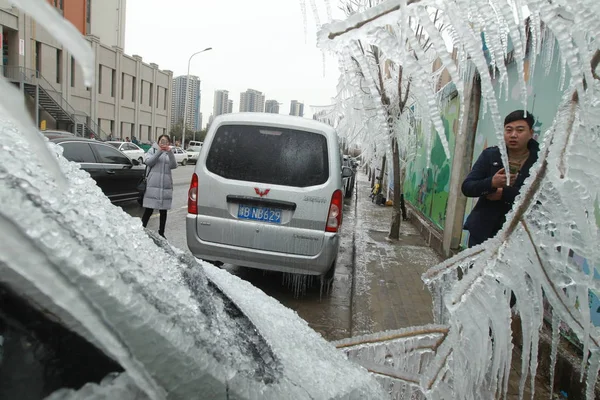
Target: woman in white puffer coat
{"x":159,"y":183}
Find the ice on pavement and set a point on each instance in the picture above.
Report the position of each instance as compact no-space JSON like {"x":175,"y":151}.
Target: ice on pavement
{"x":554,"y":218}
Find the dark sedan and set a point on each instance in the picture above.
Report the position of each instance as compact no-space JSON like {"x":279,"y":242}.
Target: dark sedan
{"x":112,"y":170}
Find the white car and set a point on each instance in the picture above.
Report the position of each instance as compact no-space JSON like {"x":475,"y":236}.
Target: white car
{"x":133,"y":151}
{"x":180,"y":155}
{"x":192,"y":153}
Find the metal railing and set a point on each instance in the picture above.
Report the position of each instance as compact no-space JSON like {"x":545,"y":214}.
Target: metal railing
{"x":33,"y":77}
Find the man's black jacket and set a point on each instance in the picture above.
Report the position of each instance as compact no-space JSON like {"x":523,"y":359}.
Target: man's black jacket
{"x":487,"y":217}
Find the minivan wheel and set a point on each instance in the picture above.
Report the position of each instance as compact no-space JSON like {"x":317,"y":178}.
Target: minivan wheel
{"x":327,"y":277}
{"x":184,"y":162}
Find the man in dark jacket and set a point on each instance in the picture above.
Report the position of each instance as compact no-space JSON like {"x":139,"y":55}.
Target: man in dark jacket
{"x":490,"y":181}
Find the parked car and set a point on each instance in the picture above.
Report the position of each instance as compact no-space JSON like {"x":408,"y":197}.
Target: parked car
{"x":54,"y":134}
{"x":348,"y":181}
{"x":266,"y":193}
{"x":193,"y":152}
{"x":180,"y":155}
{"x":131,"y":150}
{"x":195,"y":143}
{"x":145,"y":146}
{"x":113,"y":171}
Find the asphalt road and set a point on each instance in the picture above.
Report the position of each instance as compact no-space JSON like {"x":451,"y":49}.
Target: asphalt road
{"x":327,"y":313}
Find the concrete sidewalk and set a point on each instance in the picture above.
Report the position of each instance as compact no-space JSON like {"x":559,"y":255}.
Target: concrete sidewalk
{"x":388,"y":292}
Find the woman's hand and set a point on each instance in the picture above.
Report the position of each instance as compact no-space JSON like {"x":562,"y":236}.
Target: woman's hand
{"x":165,"y":147}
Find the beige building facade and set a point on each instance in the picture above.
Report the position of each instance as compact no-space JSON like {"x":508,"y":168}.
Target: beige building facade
{"x":128,"y":98}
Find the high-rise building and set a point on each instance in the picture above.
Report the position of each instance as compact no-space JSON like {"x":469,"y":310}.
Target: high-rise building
{"x":181,"y":84}
{"x":297,"y":108}
{"x":252,"y":101}
{"x":230,"y":106}
{"x":221,"y":103}
{"x":129,"y":97}
{"x":272,"y":106}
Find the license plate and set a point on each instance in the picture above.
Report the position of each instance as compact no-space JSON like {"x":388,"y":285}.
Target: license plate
{"x":265,"y":214}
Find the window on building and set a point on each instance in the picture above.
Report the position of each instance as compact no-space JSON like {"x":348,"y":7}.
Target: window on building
{"x":133,"y":88}
{"x":73,"y":76}
{"x":38,"y":57}
{"x":151,"y":95}
{"x":165,"y":99}
{"x":142,"y":91}
{"x":122,"y":85}
{"x":88,"y":17}
{"x":157,"y":95}
{"x":100,"y":79}
{"x":113,"y":84}
{"x":59,"y":65}
{"x":142,"y":132}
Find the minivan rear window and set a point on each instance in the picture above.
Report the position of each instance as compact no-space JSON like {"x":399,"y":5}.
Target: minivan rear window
{"x":269,"y":155}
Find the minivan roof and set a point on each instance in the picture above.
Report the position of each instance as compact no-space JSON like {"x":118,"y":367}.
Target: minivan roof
{"x":288,"y":121}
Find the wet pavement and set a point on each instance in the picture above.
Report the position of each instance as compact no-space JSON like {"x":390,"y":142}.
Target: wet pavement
{"x":377,"y":283}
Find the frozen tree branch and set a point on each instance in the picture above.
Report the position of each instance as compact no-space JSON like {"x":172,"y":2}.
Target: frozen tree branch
{"x":360,"y":23}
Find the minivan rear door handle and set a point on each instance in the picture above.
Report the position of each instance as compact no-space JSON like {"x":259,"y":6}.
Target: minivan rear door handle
{"x":254,"y":201}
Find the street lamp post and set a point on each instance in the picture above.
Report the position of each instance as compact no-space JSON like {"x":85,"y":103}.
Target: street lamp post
{"x":185,"y":102}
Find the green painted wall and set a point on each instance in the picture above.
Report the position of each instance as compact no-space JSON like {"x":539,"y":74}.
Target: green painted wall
{"x":426,"y":188}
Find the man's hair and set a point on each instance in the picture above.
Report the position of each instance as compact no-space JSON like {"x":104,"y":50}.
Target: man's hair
{"x":520,"y":115}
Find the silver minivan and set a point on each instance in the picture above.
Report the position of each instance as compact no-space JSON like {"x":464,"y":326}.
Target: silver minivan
{"x":267,"y":193}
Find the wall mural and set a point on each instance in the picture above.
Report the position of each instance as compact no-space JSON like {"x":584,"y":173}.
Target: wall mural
{"x":427,"y":188}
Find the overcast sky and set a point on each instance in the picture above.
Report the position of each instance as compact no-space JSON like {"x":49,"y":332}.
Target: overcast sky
{"x":256,"y":44}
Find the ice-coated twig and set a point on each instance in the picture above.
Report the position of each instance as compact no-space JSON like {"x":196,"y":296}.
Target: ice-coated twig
{"x":419,"y":331}
{"x":390,"y":373}
{"x":549,"y":284}
{"x":379,"y":11}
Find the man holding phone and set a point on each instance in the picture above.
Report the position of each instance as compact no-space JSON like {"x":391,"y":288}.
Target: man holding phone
{"x":489,"y":181}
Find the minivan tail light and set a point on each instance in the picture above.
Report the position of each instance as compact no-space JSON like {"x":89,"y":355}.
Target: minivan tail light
{"x":193,"y":196}
{"x":334,"y":219}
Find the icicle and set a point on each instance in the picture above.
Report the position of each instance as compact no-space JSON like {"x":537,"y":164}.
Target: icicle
{"x":473,"y":44}
{"x":315,"y":11}
{"x":554,"y":351}
{"x":304,"y":19}
{"x":593,"y":369}
{"x":328,"y":8}
{"x":438,"y":43}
